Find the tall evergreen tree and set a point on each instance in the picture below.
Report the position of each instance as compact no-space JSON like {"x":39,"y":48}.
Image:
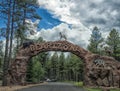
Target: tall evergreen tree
{"x":95,"y":40}
{"x":41,"y":60}
{"x":29,"y":74}
{"x":113,"y":42}
{"x":75,"y":68}
{"x":48,"y":68}
{"x":14,"y":13}
{"x":37,"y":71}
{"x":61,"y":66}
{"x":26,"y":10}
{"x":1,"y":55}
{"x":54,"y":65}
{"x":12,"y":28}
{"x":5,"y":8}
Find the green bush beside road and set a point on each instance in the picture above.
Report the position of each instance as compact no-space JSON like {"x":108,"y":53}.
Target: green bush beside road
{"x":98,"y":89}
{"x":79,"y":84}
{"x":115,"y":89}
{"x":93,"y":89}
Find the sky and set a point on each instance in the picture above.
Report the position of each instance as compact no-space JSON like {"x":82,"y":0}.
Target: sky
{"x":76,"y":19}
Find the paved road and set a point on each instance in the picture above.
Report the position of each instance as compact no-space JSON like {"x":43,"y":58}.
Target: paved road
{"x":54,"y":86}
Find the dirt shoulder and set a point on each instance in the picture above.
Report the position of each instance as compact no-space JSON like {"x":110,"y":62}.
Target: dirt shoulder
{"x":14,"y":88}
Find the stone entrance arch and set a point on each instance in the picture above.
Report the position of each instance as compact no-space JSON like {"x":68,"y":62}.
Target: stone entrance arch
{"x":98,"y":70}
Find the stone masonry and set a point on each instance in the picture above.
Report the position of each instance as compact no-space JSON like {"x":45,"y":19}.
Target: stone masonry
{"x":98,"y":70}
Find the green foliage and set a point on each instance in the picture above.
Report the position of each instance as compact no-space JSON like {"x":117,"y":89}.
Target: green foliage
{"x":25,"y":9}
{"x":5,"y":12}
{"x":1,"y":55}
{"x":29,"y":71}
{"x":54,"y":66}
{"x":37,"y":72}
{"x":93,"y":89}
{"x":48,"y":68}
{"x":118,"y":89}
{"x":61,"y":67}
{"x":36,"y":66}
{"x":113,"y":39}
{"x":113,"y":42}
{"x":95,"y":40}
{"x":75,"y":68}
{"x":79,"y":84}
{"x":99,"y":89}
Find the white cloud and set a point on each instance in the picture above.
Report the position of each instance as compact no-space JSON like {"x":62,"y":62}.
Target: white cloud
{"x":73,"y":35}
{"x":62,"y":10}
{"x":83,"y":15}
{"x":32,"y":28}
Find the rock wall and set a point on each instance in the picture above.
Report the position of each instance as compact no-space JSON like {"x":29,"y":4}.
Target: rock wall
{"x":98,"y":70}
{"x":102,"y":71}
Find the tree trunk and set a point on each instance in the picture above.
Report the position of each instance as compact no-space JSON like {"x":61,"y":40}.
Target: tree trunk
{"x":6,"y":61}
{"x":12,"y":31}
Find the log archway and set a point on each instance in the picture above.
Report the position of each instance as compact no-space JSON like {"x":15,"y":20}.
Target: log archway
{"x":98,"y":70}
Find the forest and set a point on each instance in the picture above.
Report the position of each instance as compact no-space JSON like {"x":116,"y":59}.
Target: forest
{"x":57,"y":66}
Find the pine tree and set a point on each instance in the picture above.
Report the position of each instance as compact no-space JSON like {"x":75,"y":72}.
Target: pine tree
{"x":1,"y":55}
{"x":75,"y":68}
{"x":48,"y":68}
{"x":95,"y":40}
{"x":113,"y":42}
{"x":54,"y":65}
{"x":41,"y":60}
{"x":14,"y":13}
{"x":26,"y":10}
{"x":37,"y":71}
{"x":29,"y":75}
{"x":12,"y":28}
{"x":5,"y":9}
{"x":61,"y":66}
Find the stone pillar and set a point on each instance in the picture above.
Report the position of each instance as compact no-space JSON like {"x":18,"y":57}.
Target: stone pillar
{"x":17,"y":72}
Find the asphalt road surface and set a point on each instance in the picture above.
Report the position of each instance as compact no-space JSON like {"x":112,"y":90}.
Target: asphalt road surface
{"x":54,"y":86}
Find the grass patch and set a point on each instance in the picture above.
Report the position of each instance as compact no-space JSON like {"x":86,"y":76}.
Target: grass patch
{"x":93,"y":89}
{"x":98,"y":89}
{"x":115,"y":89}
{"x":79,"y":84}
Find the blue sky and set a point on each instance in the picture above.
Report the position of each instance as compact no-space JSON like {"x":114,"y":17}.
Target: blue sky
{"x":47,"y":21}
{"x":76,"y":18}
{"x":2,"y":23}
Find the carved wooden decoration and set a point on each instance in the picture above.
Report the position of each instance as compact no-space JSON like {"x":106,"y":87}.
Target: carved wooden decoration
{"x":98,"y":70}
